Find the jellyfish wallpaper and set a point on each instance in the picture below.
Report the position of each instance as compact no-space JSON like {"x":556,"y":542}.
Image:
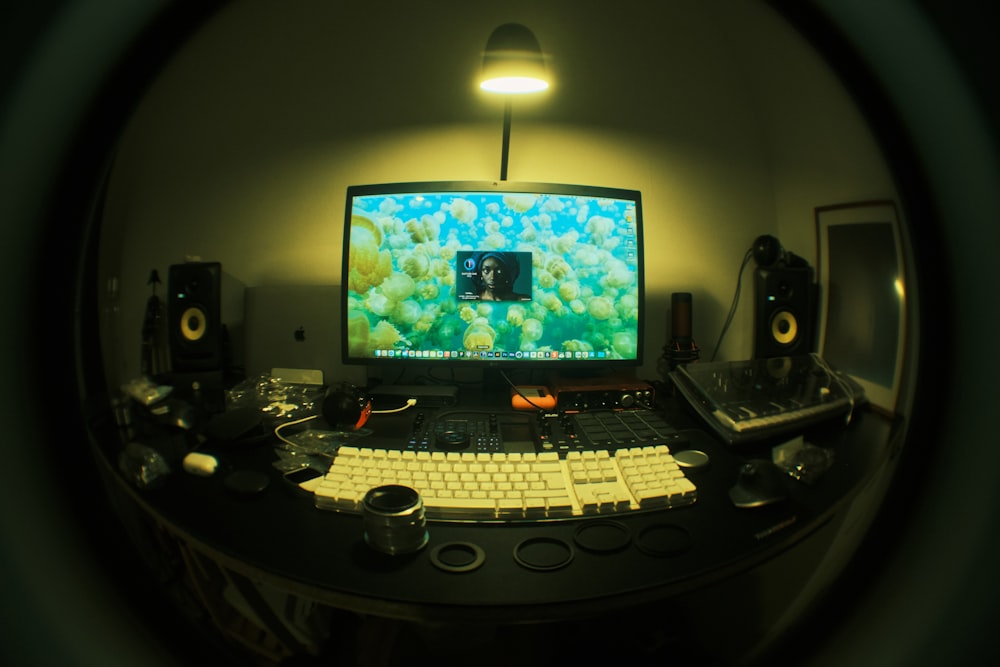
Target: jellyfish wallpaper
{"x":480,"y":274}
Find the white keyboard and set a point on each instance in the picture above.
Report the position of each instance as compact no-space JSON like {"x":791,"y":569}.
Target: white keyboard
{"x":470,"y":486}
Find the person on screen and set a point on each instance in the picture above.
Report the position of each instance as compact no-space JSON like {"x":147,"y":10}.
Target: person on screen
{"x":496,"y":273}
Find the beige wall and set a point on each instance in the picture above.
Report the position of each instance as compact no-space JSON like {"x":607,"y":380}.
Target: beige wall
{"x":242,"y":149}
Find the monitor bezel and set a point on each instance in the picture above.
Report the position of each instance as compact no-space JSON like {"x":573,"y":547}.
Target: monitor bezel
{"x":459,"y":186}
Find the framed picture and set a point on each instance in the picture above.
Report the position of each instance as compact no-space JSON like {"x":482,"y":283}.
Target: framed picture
{"x":862,"y":296}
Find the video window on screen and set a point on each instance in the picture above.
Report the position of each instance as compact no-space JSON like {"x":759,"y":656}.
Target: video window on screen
{"x":489,"y":275}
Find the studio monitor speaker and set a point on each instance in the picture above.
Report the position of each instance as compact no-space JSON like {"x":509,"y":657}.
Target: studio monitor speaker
{"x":784,"y":311}
{"x":194,"y":317}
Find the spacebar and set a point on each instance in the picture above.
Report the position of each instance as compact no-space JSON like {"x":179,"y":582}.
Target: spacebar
{"x":455,"y":508}
{"x":546,"y":505}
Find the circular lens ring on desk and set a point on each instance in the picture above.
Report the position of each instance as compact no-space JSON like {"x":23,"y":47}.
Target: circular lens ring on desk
{"x":543,"y":553}
{"x":246,"y":482}
{"x":602,"y":536}
{"x":663,"y":539}
{"x":457,"y":556}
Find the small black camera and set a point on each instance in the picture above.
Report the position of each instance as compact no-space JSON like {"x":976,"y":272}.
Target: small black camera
{"x":346,"y":407}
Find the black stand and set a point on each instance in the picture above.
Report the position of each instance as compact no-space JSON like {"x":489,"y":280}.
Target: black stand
{"x":677,"y":352}
{"x":505,"y":145}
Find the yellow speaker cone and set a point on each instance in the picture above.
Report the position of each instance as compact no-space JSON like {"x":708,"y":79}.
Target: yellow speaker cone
{"x":779,"y":367}
{"x":784,"y":327}
{"x":193,"y":324}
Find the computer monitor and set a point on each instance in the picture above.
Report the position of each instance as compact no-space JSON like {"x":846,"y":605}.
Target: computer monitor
{"x":501,"y":274}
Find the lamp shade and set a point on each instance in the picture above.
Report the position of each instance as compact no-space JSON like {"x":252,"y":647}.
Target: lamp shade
{"x":513,"y":61}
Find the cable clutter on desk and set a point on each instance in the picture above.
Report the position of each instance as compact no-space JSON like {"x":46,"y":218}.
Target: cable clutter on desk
{"x":482,"y":461}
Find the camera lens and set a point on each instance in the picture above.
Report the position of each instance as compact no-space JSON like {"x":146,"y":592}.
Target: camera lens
{"x":394,"y":519}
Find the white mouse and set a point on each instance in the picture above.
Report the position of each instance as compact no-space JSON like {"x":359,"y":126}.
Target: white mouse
{"x":203,"y":465}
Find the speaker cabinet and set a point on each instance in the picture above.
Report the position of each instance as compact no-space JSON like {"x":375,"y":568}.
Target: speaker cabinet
{"x":784,"y":311}
{"x":194,"y":316}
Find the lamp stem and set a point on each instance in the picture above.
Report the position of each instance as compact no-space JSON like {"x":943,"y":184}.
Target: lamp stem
{"x":505,"y":146}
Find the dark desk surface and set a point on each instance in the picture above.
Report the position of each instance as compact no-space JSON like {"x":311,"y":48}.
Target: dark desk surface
{"x":280,"y":536}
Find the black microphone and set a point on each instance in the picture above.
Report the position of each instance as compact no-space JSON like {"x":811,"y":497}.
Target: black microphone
{"x":681,"y":348}
{"x":767,"y":251}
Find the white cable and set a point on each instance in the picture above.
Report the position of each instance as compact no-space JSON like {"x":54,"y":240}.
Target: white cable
{"x":410,"y":402}
{"x":277,"y":430}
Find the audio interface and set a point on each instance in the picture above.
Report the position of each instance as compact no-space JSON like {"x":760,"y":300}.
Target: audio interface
{"x":604,"y":393}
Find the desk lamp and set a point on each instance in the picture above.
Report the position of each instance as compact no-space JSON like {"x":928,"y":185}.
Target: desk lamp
{"x":513,"y":64}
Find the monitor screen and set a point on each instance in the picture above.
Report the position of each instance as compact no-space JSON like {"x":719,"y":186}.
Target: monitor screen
{"x":510,"y":274}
